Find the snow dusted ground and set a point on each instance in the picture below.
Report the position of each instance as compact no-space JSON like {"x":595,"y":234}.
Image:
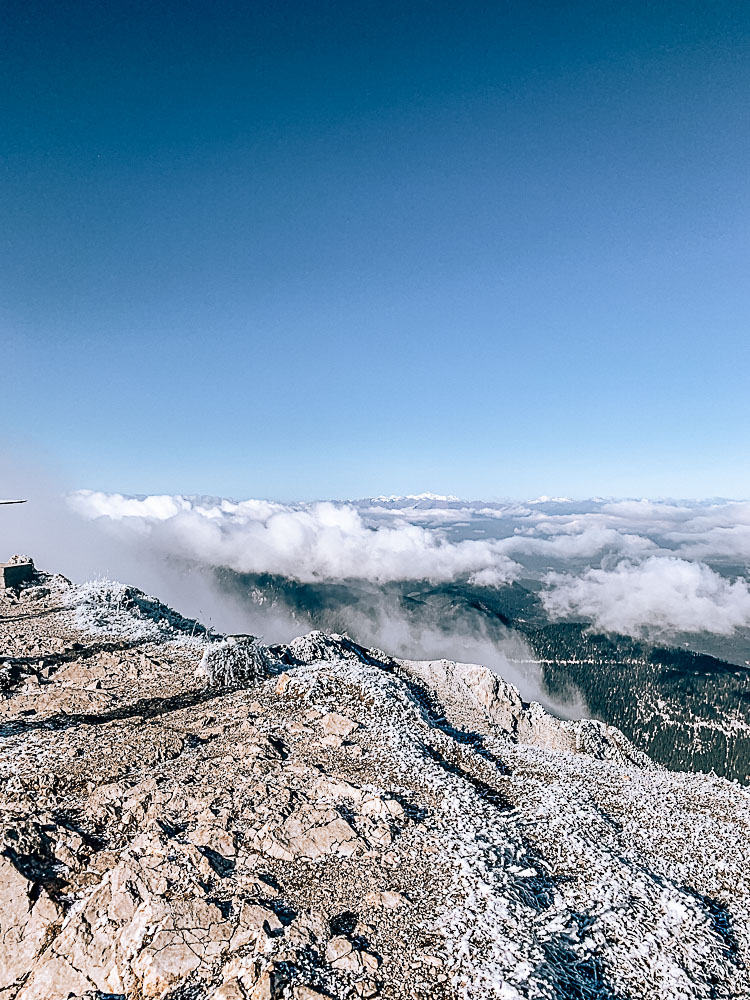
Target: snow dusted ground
{"x":572,"y":875}
{"x":417,"y":829}
{"x":105,"y":606}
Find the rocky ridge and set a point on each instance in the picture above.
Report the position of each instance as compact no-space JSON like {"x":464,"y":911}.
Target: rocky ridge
{"x":186,"y":815}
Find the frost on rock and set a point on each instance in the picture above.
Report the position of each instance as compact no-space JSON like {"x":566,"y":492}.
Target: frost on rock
{"x":236,"y":660}
{"x":105,"y":606}
{"x":319,"y":820}
{"x":476,"y":698}
{"x":316,"y":647}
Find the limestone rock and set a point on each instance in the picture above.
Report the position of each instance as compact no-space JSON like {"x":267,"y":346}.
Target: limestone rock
{"x":343,"y":955}
{"x":255,"y":922}
{"x":310,"y":833}
{"x":29,"y":919}
{"x":335,"y":724}
{"x":166,"y":836}
{"x":182,"y":936}
{"x":388,"y":899}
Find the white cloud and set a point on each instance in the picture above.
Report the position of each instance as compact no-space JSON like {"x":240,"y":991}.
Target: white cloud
{"x":661,"y":595}
{"x":632,"y":566}
{"x":574,"y":539}
{"x":320,"y":541}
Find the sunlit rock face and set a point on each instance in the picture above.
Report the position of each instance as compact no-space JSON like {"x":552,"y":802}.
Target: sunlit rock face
{"x":191,"y":815}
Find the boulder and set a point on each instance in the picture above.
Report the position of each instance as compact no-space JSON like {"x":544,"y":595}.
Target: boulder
{"x":29,"y":919}
{"x":342,"y":954}
{"x":334,"y":724}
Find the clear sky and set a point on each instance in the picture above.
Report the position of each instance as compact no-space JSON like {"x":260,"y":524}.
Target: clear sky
{"x":318,"y":249}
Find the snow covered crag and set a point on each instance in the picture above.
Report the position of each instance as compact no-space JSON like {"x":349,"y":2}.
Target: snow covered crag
{"x":188,"y":816}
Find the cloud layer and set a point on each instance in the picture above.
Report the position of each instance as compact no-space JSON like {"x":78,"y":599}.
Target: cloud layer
{"x":661,"y":595}
{"x":635,"y":566}
{"x":319,"y":541}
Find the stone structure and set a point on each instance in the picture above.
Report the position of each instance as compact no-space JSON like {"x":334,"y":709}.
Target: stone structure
{"x":15,"y":572}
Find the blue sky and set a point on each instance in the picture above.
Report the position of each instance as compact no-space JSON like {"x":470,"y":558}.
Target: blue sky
{"x":337,"y":249}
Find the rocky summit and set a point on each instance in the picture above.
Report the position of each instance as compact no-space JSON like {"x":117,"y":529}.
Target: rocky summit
{"x":187,"y":815}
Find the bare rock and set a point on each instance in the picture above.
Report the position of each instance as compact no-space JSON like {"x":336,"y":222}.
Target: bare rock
{"x":29,"y":919}
{"x":388,"y":899}
{"x":230,"y":990}
{"x":342,"y":954}
{"x":499,"y":699}
{"x":255,"y":922}
{"x":55,"y":977}
{"x":334,"y":724}
{"x":182,"y":935}
{"x":310,"y":833}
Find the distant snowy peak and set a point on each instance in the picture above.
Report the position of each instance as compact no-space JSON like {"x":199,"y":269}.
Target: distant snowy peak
{"x":395,"y":498}
{"x":546,"y":499}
